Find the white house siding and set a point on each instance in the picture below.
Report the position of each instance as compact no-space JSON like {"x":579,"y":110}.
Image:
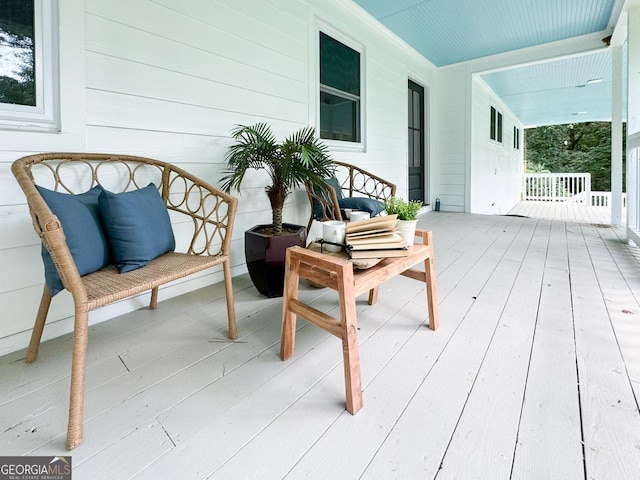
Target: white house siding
{"x":169,"y":79}
{"x":475,"y":174}
{"x":452,"y":130}
{"x":496,"y":167}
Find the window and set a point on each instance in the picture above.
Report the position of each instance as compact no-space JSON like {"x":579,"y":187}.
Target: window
{"x":340,"y":91}
{"x":28,"y":60}
{"x":496,"y":125}
{"x":516,"y":138}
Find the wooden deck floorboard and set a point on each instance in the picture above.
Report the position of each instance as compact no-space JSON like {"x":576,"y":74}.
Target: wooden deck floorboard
{"x":534,"y":373}
{"x":564,"y":211}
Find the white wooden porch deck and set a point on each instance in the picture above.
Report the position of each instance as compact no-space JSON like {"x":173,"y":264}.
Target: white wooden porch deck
{"x":534,"y":374}
{"x":567,"y":211}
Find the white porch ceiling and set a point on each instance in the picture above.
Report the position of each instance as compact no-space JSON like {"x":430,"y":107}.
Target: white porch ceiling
{"x":452,"y":31}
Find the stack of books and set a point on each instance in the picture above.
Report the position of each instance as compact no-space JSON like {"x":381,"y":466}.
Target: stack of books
{"x":374,"y":238}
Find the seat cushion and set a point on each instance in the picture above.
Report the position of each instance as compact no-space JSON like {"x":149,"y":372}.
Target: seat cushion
{"x":138,"y":226}
{"x":80,"y":219}
{"x":371,"y":205}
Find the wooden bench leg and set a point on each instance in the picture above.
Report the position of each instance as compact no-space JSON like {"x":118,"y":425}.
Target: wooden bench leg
{"x":291,"y":283}
{"x":350,"y":349}
{"x":373,"y":296}
{"x":430,"y":279}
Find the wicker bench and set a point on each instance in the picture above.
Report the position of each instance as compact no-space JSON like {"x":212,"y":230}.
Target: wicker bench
{"x":204,"y":209}
{"x":350,"y":183}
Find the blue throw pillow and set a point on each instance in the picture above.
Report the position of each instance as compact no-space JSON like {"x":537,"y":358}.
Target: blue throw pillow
{"x":80,"y":219}
{"x":333,"y":181}
{"x":371,"y":205}
{"x":138,"y":226}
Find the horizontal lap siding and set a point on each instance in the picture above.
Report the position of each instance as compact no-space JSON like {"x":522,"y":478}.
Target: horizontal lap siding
{"x":452,"y":131}
{"x":169,"y":80}
{"x":496,"y":167}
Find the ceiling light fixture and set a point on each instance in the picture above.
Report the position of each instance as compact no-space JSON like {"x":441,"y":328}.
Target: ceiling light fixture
{"x":579,"y":113}
{"x":593,"y":81}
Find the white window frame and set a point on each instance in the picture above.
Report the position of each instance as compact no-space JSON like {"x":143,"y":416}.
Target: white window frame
{"x":516,"y":137}
{"x":45,"y":115}
{"x":341,"y":145}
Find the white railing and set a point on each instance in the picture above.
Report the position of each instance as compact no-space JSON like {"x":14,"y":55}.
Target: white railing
{"x":557,"y":187}
{"x":565,"y":187}
{"x":603,"y":199}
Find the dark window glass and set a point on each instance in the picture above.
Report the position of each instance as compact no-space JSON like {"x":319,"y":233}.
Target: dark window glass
{"x":339,"y":91}
{"x":338,"y":118}
{"x":492,"y":133}
{"x":17,"y":53}
{"x":495,"y":125}
{"x":339,"y":66}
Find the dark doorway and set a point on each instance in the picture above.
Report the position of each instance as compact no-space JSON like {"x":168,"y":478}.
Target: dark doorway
{"x":416,"y":142}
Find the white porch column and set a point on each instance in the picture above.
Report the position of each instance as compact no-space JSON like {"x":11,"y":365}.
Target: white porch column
{"x":633,"y":125}
{"x":616,"y":135}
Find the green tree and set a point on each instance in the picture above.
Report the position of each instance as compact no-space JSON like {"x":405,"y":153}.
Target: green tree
{"x":572,"y":148}
{"x":17,"y":81}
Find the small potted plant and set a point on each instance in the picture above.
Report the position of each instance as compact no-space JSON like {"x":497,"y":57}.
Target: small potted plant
{"x":300,"y":158}
{"x":407,"y":212}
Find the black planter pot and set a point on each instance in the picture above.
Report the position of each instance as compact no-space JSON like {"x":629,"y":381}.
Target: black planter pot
{"x":265,"y":255}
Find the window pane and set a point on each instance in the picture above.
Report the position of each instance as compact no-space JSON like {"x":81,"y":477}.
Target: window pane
{"x":415,"y":158}
{"x":339,"y":65}
{"x":17,"y":53}
{"x":417,"y":121}
{"x":410,"y":143}
{"x":339,"y":91}
{"x":499,"y":127}
{"x":338,"y":118}
{"x":492,"y":132}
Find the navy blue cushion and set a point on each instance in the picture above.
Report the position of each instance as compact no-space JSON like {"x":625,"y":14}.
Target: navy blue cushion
{"x":333,"y":182}
{"x":371,"y":205}
{"x":317,"y":209}
{"x":80,"y":219}
{"x":138,"y":226}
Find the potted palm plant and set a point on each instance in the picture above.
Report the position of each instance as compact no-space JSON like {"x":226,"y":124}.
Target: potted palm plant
{"x":300,"y":158}
{"x":407,"y":212}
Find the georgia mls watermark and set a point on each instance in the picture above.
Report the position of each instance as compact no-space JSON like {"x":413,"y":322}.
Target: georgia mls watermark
{"x":35,"y":468}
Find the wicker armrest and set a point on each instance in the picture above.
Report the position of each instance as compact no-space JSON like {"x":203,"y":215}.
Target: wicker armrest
{"x":324,"y":203}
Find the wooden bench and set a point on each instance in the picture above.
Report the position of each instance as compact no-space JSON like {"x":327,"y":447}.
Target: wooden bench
{"x":192,"y":203}
{"x":339,"y":274}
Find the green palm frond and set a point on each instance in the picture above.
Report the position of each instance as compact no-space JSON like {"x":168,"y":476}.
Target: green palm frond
{"x":300,"y":158}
